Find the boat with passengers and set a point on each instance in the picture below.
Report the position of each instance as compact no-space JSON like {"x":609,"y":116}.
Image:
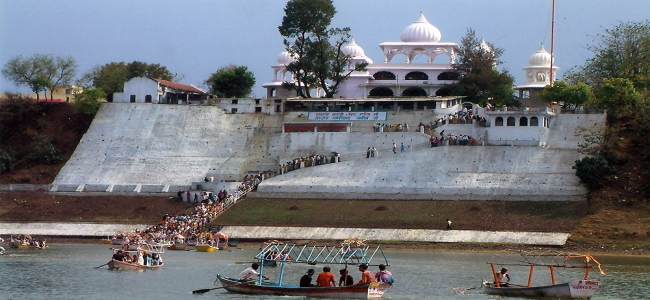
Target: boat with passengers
{"x":577,"y":288}
{"x":149,"y":258}
{"x":346,"y":253}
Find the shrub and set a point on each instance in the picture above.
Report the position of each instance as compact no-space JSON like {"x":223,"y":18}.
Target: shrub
{"x":43,"y":151}
{"x":593,"y":171}
{"x":6,"y":161}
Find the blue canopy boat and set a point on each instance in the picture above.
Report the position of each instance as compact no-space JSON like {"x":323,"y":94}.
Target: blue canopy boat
{"x":346,"y":253}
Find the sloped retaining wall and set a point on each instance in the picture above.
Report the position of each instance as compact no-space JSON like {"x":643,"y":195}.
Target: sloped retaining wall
{"x":67,"y":229}
{"x":401,"y":235}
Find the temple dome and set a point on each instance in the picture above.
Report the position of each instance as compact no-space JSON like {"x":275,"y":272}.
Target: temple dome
{"x":353,"y":50}
{"x":540,"y":58}
{"x":485,"y":47}
{"x":421,"y":31}
{"x":285,"y":58}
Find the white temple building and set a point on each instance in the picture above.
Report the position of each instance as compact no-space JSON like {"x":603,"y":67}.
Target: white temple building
{"x":537,"y":74}
{"x":389,"y":78}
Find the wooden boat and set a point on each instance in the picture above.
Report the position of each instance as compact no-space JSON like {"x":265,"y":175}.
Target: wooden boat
{"x":115,"y":265}
{"x":583,"y":288}
{"x":180,"y":247}
{"x":206,"y":248}
{"x":576,"y":289}
{"x":307,"y":254}
{"x":273,"y":289}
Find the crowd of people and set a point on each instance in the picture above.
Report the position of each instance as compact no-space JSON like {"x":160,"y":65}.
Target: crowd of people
{"x":194,"y":225}
{"x":309,"y":161}
{"x":453,"y":140}
{"x":141,"y":258}
{"x":382,"y":127}
{"x":27,"y":241}
{"x":464,"y":116}
{"x":328,"y":279}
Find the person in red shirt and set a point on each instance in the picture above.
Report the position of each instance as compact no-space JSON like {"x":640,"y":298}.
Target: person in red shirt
{"x":326,"y":279}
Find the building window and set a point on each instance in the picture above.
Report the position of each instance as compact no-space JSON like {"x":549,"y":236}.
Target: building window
{"x":414,"y":91}
{"x":511,"y":121}
{"x":448,"y":76}
{"x":233,"y":110}
{"x":498,"y":121}
{"x":525,"y":94}
{"x":534,"y":122}
{"x":234,"y":101}
{"x":257,"y":101}
{"x":523,"y":121}
{"x":258,"y":109}
{"x":417,"y":75}
{"x":132,"y":98}
{"x":384,"y":75}
{"x":147,"y":99}
{"x":381,"y":92}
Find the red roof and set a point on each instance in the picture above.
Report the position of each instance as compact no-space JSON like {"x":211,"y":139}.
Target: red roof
{"x":179,"y":86}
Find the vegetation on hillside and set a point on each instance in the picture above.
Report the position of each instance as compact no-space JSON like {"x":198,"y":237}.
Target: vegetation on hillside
{"x":231,"y":81}
{"x":110,"y":77}
{"x":41,"y":73}
{"x":37,"y":138}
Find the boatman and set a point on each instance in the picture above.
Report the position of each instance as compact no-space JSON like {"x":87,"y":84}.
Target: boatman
{"x":503,"y":277}
{"x":250,"y":273}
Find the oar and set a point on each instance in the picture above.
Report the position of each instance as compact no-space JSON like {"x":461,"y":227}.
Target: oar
{"x":102,"y":265}
{"x":201,"y":291}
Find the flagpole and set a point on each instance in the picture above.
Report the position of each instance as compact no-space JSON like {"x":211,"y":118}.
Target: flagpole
{"x":552,"y":41}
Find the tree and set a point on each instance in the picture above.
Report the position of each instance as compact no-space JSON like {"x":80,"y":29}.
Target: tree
{"x":231,"y":81}
{"x":571,"y":95}
{"x":480,"y":81}
{"x":620,"y":52}
{"x":111,"y":77}
{"x":27,"y":72}
{"x":316,"y":48}
{"x":617,"y":95}
{"x":89,"y":101}
{"x":59,"y":72}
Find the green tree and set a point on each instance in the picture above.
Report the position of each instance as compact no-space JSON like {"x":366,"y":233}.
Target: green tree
{"x":480,"y":80}
{"x":315,"y":46}
{"x":89,"y":101}
{"x":571,"y":96}
{"x":617,"y":96}
{"x":27,"y":72}
{"x":620,"y":52}
{"x":110,"y":77}
{"x":58,"y":72}
{"x":231,"y":81}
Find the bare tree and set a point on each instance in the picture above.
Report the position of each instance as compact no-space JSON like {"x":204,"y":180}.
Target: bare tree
{"x":59,"y":71}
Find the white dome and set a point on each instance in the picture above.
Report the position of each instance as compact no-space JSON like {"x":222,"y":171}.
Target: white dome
{"x":353,"y":50}
{"x":485,"y":47}
{"x":420,"y":31}
{"x":285,"y":58}
{"x":540,"y":58}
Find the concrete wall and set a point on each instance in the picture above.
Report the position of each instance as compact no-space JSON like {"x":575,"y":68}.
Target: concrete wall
{"x":286,"y":146}
{"x":567,"y":129}
{"x":132,"y":143}
{"x":401,"y":235}
{"x":444,"y":173}
{"x":67,"y":229}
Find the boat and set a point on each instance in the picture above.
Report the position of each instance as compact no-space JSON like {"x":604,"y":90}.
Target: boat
{"x":583,"y":288}
{"x":351,"y":292}
{"x":311,"y":255}
{"x":116,"y":265}
{"x":206,"y":248}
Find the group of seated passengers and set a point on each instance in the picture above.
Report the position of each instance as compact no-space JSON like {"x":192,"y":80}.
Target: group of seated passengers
{"x":139,"y":258}
{"x":327,"y":279}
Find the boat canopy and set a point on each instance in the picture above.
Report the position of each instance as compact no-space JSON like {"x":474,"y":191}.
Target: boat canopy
{"x":348,"y":252}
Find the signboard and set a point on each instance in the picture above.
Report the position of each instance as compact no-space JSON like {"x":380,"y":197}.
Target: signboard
{"x":347,"y":116}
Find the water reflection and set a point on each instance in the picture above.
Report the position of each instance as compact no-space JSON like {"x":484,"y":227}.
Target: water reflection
{"x":67,"y":272}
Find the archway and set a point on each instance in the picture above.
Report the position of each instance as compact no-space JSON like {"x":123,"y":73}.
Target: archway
{"x":381,"y":92}
{"x":523,"y":121}
{"x":511,"y":121}
{"x":448,"y":76}
{"x":534,"y":122}
{"x":416,"y":75}
{"x":498,"y":121}
{"x":414,"y":91}
{"x":443,"y":91}
{"x":384,"y":75}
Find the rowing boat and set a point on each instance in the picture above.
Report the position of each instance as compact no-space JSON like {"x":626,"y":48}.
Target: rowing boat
{"x":273,"y":289}
{"x":116,"y":265}
{"x":576,"y":289}
{"x":206,"y":248}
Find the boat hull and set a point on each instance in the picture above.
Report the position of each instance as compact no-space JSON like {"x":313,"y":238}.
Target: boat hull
{"x":180,"y":247}
{"x":576,"y":289}
{"x":206,"y":248}
{"x":356,"y":292}
{"x":115,"y":265}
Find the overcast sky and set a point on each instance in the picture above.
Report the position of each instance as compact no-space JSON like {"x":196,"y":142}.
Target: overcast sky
{"x":195,"y":37}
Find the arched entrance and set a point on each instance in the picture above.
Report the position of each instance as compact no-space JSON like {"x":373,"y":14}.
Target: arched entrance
{"x":414,"y":91}
{"x":448,"y":76}
{"x":384,"y":75}
{"x":416,"y":75}
{"x":381,"y":92}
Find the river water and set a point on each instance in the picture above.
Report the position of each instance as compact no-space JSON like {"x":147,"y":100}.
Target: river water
{"x":66,"y":271}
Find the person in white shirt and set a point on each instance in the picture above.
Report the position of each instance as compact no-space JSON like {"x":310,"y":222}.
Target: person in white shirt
{"x":250,"y":273}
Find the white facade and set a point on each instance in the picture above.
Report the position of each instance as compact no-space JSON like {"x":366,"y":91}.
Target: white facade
{"x":139,"y":90}
{"x":521,"y":127}
{"x":248,"y":105}
{"x":389,"y":79}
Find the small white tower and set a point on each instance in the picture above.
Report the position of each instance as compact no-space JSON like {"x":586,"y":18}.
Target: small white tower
{"x":537,"y":74}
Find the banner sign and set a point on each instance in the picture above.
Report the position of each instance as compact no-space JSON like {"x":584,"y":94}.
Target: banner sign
{"x":347,"y":116}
